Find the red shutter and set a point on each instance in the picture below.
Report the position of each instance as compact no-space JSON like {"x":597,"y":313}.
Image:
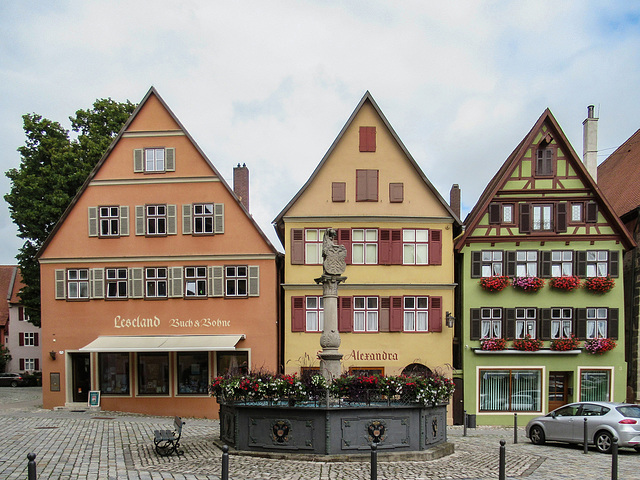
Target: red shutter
{"x":367,"y":139}
{"x":297,"y":314}
{"x":338,"y":191}
{"x":344,"y":238}
{"x":361,"y":185}
{"x":21,"y":313}
{"x":435,"y":247}
{"x":297,"y":246}
{"x":35,"y":340}
{"x":435,"y":314}
{"x":395,"y":320}
{"x":396,"y":247}
{"x":372,"y":185}
{"x":384,"y":247}
{"x":21,"y":339}
{"x":22,"y":364}
{"x":345,"y":314}
{"x":37,"y":364}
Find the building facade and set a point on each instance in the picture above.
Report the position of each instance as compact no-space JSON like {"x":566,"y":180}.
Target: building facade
{"x":541,"y":219}
{"x":156,"y":278}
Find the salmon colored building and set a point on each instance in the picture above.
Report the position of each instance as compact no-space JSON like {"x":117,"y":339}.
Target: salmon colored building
{"x":156,"y":278}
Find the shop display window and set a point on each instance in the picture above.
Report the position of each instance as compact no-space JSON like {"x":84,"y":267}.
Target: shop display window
{"x":153,"y":373}
{"x":193,"y":373}
{"x":114,"y":373}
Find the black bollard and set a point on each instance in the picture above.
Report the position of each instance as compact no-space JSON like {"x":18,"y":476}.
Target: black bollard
{"x":515,"y":428}
{"x":225,"y":462}
{"x":374,"y":461}
{"x":31,"y":468}
{"x":464,"y":430}
{"x":586,"y":438}
{"x":503,"y":459}
{"x":614,"y":458}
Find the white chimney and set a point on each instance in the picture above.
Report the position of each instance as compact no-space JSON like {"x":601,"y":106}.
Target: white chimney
{"x":590,"y":143}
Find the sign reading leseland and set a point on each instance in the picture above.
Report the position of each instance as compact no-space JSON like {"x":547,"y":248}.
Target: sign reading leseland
{"x":155,"y":322}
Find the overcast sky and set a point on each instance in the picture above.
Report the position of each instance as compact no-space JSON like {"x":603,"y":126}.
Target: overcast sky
{"x":271,"y":83}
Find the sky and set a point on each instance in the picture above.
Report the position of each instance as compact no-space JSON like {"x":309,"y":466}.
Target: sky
{"x":272,"y":83}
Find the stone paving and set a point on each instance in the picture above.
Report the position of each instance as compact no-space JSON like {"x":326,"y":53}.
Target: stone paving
{"x":88,"y":444}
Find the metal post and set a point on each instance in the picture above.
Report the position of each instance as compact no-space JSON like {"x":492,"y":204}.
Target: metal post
{"x":374,"y":461}
{"x":515,"y":428}
{"x":586,"y":438}
{"x":225,"y":462}
{"x":464,"y":431}
{"x":614,"y":459}
{"x":503,"y":456}
{"x":31,"y":466}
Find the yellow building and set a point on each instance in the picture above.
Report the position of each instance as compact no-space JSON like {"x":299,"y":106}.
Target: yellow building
{"x":398,"y":231}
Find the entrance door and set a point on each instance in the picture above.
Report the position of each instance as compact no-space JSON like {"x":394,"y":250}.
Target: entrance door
{"x":80,"y":377}
{"x":559,"y":389}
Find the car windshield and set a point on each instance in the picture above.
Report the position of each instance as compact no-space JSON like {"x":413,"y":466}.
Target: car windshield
{"x":632,"y":411}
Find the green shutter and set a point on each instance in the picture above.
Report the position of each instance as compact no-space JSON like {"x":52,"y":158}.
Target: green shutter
{"x":217,"y":281}
{"x":138,"y":160}
{"x":140,"y":224}
{"x":170,"y":159}
{"x":136,"y":282}
{"x":218,"y":218}
{"x":171,"y":220}
{"x":175,"y":282}
{"x":186,"y":219}
{"x":254,"y":280}
{"x":60,"y":284}
{"x":93,"y":221}
{"x":97,"y":283}
{"x":124,"y":221}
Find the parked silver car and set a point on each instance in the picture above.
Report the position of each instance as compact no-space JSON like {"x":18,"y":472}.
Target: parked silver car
{"x":605,"y":420}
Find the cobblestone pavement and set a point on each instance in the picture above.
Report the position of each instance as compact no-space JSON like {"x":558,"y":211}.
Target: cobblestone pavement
{"x":78,"y":445}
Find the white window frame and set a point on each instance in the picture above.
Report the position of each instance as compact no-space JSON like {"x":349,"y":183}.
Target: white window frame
{"x":491,"y":263}
{"x":526,"y":319}
{"x":195,"y":282}
{"x":314,"y":314}
{"x":526,"y":263}
{"x":416,"y":314}
{"x":77,"y":279}
{"x":365,"y":314}
{"x":29,"y":364}
{"x":597,"y":322}
{"x":577,"y":212}
{"x":154,"y":160}
{"x":561,"y":263}
{"x":490,"y":323}
{"x":507,"y":213}
{"x":364,"y":246}
{"x":153,"y":276}
{"x":597,"y":263}
{"x":415,"y":246}
{"x":313,"y":238}
{"x":542,"y":218}
{"x":29,"y":339}
{"x":114,"y":276}
{"x":561,"y":323}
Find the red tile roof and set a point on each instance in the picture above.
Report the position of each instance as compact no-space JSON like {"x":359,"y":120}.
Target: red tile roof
{"x":7,"y":275}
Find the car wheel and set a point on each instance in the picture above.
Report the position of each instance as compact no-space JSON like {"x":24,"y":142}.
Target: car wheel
{"x":14,"y":383}
{"x":536,"y":435}
{"x":603,"y":442}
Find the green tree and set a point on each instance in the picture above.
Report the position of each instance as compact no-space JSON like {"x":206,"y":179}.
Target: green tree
{"x":4,"y":357}
{"x":53,"y":167}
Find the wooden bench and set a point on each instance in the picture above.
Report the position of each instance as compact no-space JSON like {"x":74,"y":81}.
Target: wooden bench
{"x":168,"y":441}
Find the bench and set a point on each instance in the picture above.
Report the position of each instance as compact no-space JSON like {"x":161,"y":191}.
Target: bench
{"x":167,"y":441}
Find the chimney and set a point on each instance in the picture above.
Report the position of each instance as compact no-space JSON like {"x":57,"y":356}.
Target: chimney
{"x":590,"y":143}
{"x":454,"y":199}
{"x":241,"y":184}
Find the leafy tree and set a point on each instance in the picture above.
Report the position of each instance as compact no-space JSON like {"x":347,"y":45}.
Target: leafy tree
{"x":4,"y":357}
{"x":52,"y":169}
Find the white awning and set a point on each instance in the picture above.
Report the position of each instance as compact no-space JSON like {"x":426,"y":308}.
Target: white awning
{"x":158,"y":343}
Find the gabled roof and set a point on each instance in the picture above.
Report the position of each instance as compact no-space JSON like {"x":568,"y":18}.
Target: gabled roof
{"x":7,"y":278}
{"x":367,"y":97}
{"x":17,"y":285}
{"x":492,"y":188}
{"x":619,"y":176}
{"x":96,"y":169}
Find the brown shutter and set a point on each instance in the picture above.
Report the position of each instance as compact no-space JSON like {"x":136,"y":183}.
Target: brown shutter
{"x":297,"y":246}
{"x":36,"y":340}
{"x":338,"y":192}
{"x":37,"y":362}
{"x":592,"y":212}
{"x":475,"y":324}
{"x":21,"y":313}
{"x":510,"y":267}
{"x":367,"y":139}
{"x":297,"y":314}
{"x":22,"y":364}
{"x":613,"y":324}
{"x":561,"y":217}
{"x":581,"y":263}
{"x":435,"y":247}
{"x":396,"y":322}
{"x":494,"y":213}
{"x":396,"y":247}
{"x":581,"y":323}
{"x":476,"y":264}
{"x":396,"y":192}
{"x":545,"y":264}
{"x":21,"y":339}
{"x":384,"y":247}
{"x":525,"y":218}
{"x":345,"y":315}
{"x":385,"y":311}
{"x":509,"y":323}
{"x":344,"y":238}
{"x":545,"y":324}
{"x":435,"y":314}
{"x":614,"y":263}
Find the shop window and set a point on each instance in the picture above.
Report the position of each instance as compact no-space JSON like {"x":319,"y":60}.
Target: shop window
{"x":512,"y":390}
{"x":595,"y":385}
{"x":153,"y":374}
{"x":308,"y":372}
{"x":114,"y":373}
{"x":232,"y":363}
{"x":116,"y":283}
{"x":193,"y":373}
{"x":366,"y":371}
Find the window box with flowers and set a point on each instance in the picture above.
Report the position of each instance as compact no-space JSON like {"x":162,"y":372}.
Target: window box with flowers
{"x":597,"y":346}
{"x":599,"y":284}
{"x":527,"y":344}
{"x":493,"y":344}
{"x":565,"y":344}
{"x":528,"y":284}
{"x":495,"y":283}
{"x":565,"y":283}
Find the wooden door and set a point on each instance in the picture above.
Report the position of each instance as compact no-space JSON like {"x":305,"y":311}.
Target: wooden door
{"x":559,"y":388}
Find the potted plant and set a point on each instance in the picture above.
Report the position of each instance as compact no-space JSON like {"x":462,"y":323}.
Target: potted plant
{"x":565,"y":283}
{"x":528,"y":284}
{"x":493,"y":344}
{"x":527,"y":344}
{"x":495,"y":283}
{"x":565,"y":344}
{"x":597,"y":346}
{"x":599,"y":284}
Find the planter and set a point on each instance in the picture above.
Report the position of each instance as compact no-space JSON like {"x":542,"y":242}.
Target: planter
{"x":599,"y":284}
{"x":566,"y":284}
{"x":494,"y":284}
{"x":564,"y":344}
{"x":598,"y":346}
{"x":528,"y":284}
{"x":527,"y":344}
{"x":493,"y":344}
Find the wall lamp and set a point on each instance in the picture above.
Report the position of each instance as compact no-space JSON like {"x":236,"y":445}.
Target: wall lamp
{"x":450,"y":319}
{"x":52,"y":353}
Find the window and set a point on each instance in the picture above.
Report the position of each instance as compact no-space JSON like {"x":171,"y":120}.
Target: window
{"x":203,"y":218}
{"x":116,"y":282}
{"x":525,"y":322}
{"x":576,"y":212}
{"x":156,"y":282}
{"x":416,"y":314}
{"x":22,"y":315}
{"x":109,"y":221}
{"x":542,"y":217}
{"x":313,"y":238}
{"x":30,"y":364}
{"x":156,"y":219}
{"x":114,"y":373}
{"x":78,"y":283}
{"x":544,"y":162}
{"x":561,"y":323}
{"x":510,"y":390}
{"x":366,"y":185}
{"x":415,"y":247}
{"x":507,"y":213}
{"x":597,"y":263}
{"x":154,"y":160}
{"x":364,"y":246}
{"x":526,"y":263}
{"x":561,"y":263}
{"x":29,"y":339}
{"x":365,"y":314}
{"x":232,"y":363}
{"x":195,"y":282}
{"x":193,"y":373}
{"x":595,"y":385}
{"x":314,"y":314}
{"x":236,"y":281}
{"x":153,"y":373}
{"x":597,"y":323}
{"x":490,"y":323}
{"x":200,"y":219}
{"x":491,"y":263}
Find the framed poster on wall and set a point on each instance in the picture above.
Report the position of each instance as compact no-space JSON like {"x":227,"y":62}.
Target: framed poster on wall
{"x":94,"y":398}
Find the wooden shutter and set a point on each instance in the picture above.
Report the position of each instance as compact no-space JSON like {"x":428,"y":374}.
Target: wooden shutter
{"x":366,"y":185}
{"x":186,"y":219}
{"x":361,"y":185}
{"x":581,"y":263}
{"x":93,"y":221}
{"x":345,"y":314}
{"x":509,"y":323}
{"x":218,"y":218}
{"x":61,"y":284}
{"x":561,"y":217}
{"x":136,"y":283}
{"x":338,"y":192}
{"x":396,"y":321}
{"x":97,"y":282}
{"x":591,"y":212}
{"x":37,"y":363}
{"x":254,"y":280}
{"x":384,"y":246}
{"x":21,"y":339}
{"x":435,"y":247}
{"x":475,"y":324}
{"x":344,"y":238}
{"x":20,"y":314}
{"x":176,"y":286}
{"x":510,"y":263}
{"x":170,"y":159}
{"x":544,"y":328}
{"x":396,"y":192}
{"x":172,"y":222}
{"x":435,"y":314}
{"x":367,"y":139}
{"x":476,"y":264}
{"x":138,"y":160}
{"x":544,"y":164}
{"x":385,"y":312}
{"x":124,"y":221}
{"x":614,"y":263}
{"x":372,"y":185}
{"x":298,"y":323}
{"x":36,"y":341}
{"x":216,"y":281}
{"x":525,"y":217}
{"x":396,"y":247}
{"x":545,"y":264}
{"x":22,"y":364}
{"x":494,"y":213}
{"x":140,"y":223}
{"x":614,"y":324}
{"x":581,"y":323}
{"x":297,"y":246}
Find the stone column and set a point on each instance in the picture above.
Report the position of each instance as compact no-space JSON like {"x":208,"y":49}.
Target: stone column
{"x":330,"y":358}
